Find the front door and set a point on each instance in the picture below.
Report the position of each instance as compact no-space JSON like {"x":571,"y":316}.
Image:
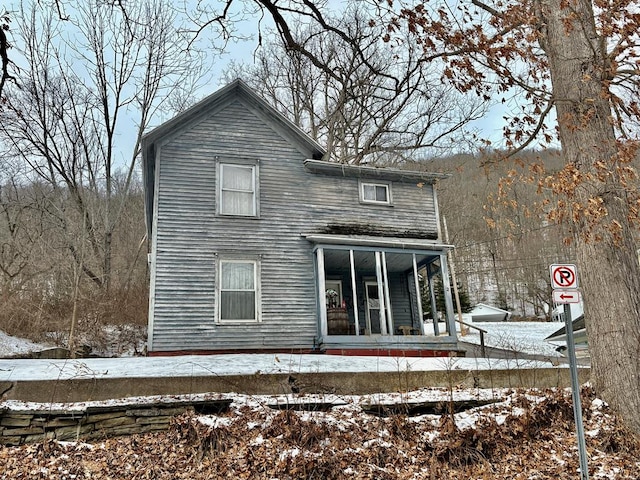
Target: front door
{"x":373,"y":308}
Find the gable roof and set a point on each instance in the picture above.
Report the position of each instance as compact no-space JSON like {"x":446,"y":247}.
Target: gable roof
{"x":198,"y":112}
{"x":237,"y":88}
{"x":483,"y":310}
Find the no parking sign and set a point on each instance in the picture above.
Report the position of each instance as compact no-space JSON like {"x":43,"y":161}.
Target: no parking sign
{"x":564,"y":276}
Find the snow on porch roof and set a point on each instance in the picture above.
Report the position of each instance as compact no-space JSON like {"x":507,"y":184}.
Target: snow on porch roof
{"x":368,"y":241}
{"x":392,"y":174}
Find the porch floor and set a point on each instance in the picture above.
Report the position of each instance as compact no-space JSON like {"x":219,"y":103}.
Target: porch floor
{"x":391,"y":345}
{"x":391,"y":352}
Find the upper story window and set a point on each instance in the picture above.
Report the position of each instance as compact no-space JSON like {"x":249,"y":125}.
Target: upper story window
{"x":375,"y":193}
{"x":238,"y":190}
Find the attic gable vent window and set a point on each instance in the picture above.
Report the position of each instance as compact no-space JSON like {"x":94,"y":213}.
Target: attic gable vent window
{"x":375,"y":193}
{"x":238,"y":190}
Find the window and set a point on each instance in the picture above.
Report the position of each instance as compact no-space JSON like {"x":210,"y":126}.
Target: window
{"x":375,"y":193}
{"x":238,"y":190}
{"x":238,"y":292}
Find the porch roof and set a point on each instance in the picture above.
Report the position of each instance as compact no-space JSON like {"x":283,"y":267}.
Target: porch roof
{"x":377,"y":242}
{"x":363,"y":171}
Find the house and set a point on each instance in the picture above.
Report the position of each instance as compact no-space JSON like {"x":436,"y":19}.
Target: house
{"x":575,"y":309}
{"x":257,"y":243}
{"x":580,"y":340}
{"x":486,"y":313}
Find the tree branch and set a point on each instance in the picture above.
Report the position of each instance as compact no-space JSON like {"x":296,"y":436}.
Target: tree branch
{"x":487,"y":8}
{"x":4,"y":47}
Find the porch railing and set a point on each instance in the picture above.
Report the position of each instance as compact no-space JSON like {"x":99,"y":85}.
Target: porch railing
{"x":482,"y":332}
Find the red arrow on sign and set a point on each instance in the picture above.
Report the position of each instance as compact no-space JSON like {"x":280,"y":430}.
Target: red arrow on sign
{"x":566,"y":296}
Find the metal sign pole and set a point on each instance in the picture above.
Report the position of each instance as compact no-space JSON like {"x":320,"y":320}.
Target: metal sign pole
{"x":575,"y":393}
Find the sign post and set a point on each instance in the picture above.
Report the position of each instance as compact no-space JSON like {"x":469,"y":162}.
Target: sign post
{"x":564,"y":280}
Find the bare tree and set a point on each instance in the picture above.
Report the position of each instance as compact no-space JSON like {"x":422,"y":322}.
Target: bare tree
{"x":83,"y":77}
{"x":22,"y":232}
{"x":87,"y":74}
{"x":373,"y":101}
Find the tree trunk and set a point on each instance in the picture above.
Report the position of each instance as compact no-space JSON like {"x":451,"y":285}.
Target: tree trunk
{"x":608,"y":268}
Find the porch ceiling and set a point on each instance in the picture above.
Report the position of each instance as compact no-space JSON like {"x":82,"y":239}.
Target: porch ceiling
{"x":365,"y":260}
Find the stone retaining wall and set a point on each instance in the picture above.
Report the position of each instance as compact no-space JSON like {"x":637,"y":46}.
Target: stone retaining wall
{"x":98,"y":422}
{"x":95,"y":422}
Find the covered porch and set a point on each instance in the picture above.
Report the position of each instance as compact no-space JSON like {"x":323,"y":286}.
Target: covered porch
{"x":377,"y":294}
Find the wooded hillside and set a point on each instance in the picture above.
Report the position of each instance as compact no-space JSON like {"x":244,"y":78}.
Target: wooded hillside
{"x":40,"y":232}
{"x":496,"y":218}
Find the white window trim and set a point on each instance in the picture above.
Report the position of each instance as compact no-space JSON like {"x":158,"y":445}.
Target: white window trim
{"x":386,"y":185}
{"x":256,"y":286}
{"x":255,"y":189}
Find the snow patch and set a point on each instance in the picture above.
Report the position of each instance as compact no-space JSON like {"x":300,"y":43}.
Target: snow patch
{"x":18,"y":346}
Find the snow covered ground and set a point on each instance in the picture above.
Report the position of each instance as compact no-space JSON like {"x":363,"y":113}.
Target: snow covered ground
{"x":14,"y":346}
{"x":527,"y":337}
{"x":524,"y":435}
{"x":239,"y":364}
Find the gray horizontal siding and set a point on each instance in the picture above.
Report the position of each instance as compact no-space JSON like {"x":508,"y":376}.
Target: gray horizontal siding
{"x":400,"y":302}
{"x":190,"y":237}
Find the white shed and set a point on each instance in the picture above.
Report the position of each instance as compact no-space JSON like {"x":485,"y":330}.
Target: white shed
{"x":486,"y":313}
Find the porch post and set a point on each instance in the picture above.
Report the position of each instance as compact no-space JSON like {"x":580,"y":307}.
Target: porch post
{"x":416,"y":281}
{"x":382,"y":310}
{"x":354,"y":293}
{"x":387,"y":297}
{"x":434,"y":302}
{"x":451,"y":321}
{"x":324,"y":331}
